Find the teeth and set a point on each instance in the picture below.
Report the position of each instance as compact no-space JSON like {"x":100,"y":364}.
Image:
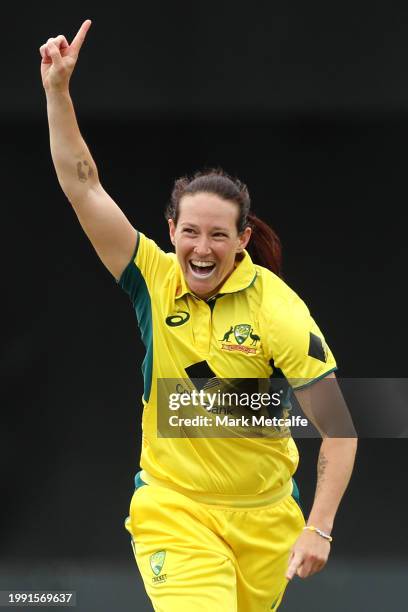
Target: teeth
{"x":202,"y":264}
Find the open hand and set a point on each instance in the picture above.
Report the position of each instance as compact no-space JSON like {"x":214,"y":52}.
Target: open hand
{"x":59,"y":58}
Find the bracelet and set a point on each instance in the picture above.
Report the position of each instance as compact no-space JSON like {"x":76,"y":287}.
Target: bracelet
{"x":321,"y":533}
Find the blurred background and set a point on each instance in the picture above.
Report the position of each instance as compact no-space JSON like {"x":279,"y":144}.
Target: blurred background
{"x":307,"y":104}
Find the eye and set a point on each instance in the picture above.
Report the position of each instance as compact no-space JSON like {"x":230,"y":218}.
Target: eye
{"x":188,"y":230}
{"x":220,"y":234}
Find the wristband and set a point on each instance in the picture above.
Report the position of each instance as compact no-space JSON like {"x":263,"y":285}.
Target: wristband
{"x":321,"y":533}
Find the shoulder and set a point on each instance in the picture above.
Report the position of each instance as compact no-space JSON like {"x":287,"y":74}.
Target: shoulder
{"x":278,"y":300}
{"x":149,"y":255}
{"x":149,"y":267}
{"x":292,"y":338}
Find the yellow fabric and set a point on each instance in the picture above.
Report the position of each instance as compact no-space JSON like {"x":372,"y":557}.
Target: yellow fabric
{"x":211,"y":558}
{"x":262,"y":499}
{"x":278,"y":328}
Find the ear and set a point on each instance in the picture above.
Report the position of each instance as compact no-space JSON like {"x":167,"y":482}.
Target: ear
{"x":172,"y":231}
{"x":243,"y":239}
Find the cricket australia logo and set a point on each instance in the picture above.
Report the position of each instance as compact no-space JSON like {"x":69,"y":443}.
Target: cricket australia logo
{"x":241,"y":333}
{"x":156,"y":563}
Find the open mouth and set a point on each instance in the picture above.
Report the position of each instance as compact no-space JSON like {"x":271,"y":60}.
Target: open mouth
{"x":201,"y":269}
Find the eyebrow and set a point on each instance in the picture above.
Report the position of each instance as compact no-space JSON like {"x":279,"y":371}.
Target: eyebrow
{"x":224,"y":229}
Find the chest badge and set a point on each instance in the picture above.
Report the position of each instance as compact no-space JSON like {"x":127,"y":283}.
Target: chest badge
{"x":241,"y":334}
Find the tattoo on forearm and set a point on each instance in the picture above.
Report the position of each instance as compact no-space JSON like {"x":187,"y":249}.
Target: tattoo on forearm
{"x":321,"y":468}
{"x":85,"y":171}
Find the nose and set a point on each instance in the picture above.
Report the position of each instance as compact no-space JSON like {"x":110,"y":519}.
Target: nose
{"x":202,"y":247}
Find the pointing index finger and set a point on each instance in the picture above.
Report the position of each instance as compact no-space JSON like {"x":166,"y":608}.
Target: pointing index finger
{"x":80,"y":36}
{"x":295,"y":561}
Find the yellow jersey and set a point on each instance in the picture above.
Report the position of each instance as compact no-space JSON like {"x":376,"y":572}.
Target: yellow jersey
{"x":256,"y":327}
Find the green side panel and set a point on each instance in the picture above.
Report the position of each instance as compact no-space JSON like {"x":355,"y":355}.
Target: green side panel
{"x":143,"y":308}
{"x":138,"y":481}
{"x":295,"y":492}
{"x":296,"y":495}
{"x":135,"y":286}
{"x":122,"y":281}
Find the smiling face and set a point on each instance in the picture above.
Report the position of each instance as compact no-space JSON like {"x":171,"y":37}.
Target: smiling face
{"x":206,"y":241}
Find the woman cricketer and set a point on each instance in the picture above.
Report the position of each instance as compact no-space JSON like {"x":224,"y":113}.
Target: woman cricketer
{"x":214,"y":522}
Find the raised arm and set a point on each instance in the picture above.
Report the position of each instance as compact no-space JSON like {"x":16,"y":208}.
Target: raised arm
{"x":108,"y":229}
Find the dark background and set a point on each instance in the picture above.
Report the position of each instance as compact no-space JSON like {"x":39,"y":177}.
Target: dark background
{"x":308,"y":104}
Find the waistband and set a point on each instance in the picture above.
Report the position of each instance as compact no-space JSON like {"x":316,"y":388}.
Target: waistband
{"x":267,"y":498}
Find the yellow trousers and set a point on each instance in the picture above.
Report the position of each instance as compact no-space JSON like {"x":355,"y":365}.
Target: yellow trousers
{"x":197,"y":557}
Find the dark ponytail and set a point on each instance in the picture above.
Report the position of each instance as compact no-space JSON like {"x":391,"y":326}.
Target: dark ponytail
{"x":264,"y":245}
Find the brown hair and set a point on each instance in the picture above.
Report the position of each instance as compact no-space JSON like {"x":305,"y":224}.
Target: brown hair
{"x":264,"y":245}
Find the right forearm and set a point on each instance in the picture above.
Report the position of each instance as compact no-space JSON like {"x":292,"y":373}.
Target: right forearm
{"x":76,"y":170}
{"x":106,"y":226}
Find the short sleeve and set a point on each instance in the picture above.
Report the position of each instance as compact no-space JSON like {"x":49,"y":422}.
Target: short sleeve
{"x":144,"y":276}
{"x":147,"y":269}
{"x":297,"y":346}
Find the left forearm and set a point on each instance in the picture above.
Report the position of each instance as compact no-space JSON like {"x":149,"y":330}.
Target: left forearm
{"x":334,"y":468}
